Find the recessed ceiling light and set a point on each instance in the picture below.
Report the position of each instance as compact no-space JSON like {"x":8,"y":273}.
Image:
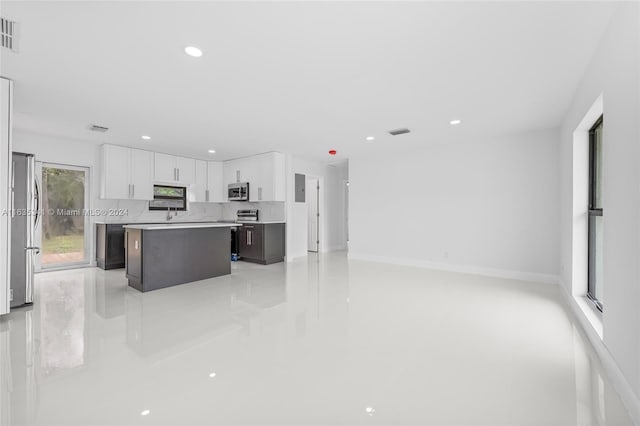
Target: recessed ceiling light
{"x":212,"y":151}
{"x":193,"y":51}
{"x":369,"y":138}
{"x":212,"y":375}
{"x":370,"y":411}
{"x":454,"y":122}
{"x":146,"y":138}
{"x":145,"y":413}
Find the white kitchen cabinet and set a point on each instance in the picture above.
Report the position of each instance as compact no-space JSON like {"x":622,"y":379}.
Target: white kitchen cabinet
{"x":116,"y":161}
{"x":127,"y":174}
{"x":174,"y":169}
{"x":186,"y":170}
{"x":216,"y":190}
{"x":265,"y":174}
{"x":236,"y":170}
{"x":165,"y":167}
{"x":198,"y":190}
{"x":267,"y":177}
{"x":141,"y":174}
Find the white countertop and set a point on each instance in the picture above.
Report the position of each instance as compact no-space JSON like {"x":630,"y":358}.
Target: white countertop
{"x":193,"y":222}
{"x":158,"y":226}
{"x":149,"y":222}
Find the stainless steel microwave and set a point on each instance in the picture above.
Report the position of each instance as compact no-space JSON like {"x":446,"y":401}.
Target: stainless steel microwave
{"x":238,"y":191}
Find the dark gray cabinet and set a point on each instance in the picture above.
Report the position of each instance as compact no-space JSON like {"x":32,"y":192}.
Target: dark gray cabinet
{"x":109,"y":245}
{"x":159,"y":258}
{"x":262,"y":243}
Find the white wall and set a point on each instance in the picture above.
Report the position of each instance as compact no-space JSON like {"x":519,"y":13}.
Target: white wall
{"x":614,"y":73}
{"x":484,"y":206}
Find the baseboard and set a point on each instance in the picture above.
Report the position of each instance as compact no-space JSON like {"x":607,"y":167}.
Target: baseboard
{"x":466,"y":269}
{"x":619,"y":382}
{"x":334,"y":248}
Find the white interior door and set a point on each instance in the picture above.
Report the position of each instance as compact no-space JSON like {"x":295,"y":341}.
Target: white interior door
{"x":313,"y":211}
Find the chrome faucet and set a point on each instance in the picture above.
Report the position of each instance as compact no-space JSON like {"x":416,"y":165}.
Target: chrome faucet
{"x":169,"y":217}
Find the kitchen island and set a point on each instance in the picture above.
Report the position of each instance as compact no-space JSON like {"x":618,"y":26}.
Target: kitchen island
{"x":164,"y":255}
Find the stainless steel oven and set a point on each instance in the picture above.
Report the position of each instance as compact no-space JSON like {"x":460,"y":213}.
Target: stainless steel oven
{"x":238,"y":191}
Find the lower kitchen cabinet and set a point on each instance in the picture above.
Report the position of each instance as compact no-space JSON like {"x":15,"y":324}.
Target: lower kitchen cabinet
{"x":262,"y":242}
{"x":109,"y":245}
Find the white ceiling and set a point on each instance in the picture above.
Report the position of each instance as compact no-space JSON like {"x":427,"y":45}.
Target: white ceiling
{"x":299,"y":77}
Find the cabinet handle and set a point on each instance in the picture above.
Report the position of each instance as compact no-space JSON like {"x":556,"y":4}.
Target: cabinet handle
{"x":178,"y":175}
{"x":249,"y":238}
{"x":260,"y":193}
{"x":206,"y":195}
{"x":133,"y":190}
{"x":175,"y":175}
{"x":237,"y":175}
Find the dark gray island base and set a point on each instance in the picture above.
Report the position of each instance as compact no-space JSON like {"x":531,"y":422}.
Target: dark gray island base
{"x":159,"y":256}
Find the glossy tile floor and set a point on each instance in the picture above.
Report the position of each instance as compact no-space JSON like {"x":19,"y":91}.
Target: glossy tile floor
{"x":316,"y":342}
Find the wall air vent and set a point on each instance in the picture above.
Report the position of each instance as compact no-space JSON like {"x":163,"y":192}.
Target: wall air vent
{"x":96,"y":128}
{"x":397,"y":132}
{"x":8,"y":34}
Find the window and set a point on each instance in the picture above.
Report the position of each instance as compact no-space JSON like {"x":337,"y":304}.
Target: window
{"x":595,"y":277}
{"x":168,"y":197}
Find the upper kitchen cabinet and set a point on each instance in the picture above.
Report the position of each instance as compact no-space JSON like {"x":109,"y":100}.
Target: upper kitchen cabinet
{"x":216,"y":191}
{"x":237,"y":170}
{"x":198,"y":191}
{"x":265,"y":174}
{"x":173,"y":169}
{"x":127,"y":173}
{"x":208,"y":186}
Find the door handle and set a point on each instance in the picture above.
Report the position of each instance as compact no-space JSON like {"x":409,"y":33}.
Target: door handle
{"x":37,"y":249}
{"x":37,"y":195}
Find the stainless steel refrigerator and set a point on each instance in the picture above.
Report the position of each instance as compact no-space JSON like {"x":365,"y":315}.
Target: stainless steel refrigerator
{"x":24,"y":218}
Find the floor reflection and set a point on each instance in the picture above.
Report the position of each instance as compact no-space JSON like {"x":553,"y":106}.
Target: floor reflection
{"x":317,"y":341}
{"x":61,"y":310}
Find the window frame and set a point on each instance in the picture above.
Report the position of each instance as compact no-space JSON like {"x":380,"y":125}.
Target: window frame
{"x":167,"y":197}
{"x":594,"y":211}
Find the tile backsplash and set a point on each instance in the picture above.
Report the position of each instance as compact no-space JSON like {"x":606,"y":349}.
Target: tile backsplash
{"x":134,"y":211}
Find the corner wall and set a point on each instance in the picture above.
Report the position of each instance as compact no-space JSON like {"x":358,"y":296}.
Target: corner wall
{"x":614,"y":73}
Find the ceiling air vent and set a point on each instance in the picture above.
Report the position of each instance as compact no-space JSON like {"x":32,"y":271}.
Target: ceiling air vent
{"x":9,"y":34}
{"x":397,"y":132}
{"x":96,"y":128}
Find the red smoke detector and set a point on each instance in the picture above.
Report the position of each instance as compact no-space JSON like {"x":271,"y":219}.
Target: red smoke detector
{"x":332,"y":152}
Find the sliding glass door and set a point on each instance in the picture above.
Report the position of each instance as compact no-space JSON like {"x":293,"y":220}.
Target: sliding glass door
{"x":65,"y":224}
